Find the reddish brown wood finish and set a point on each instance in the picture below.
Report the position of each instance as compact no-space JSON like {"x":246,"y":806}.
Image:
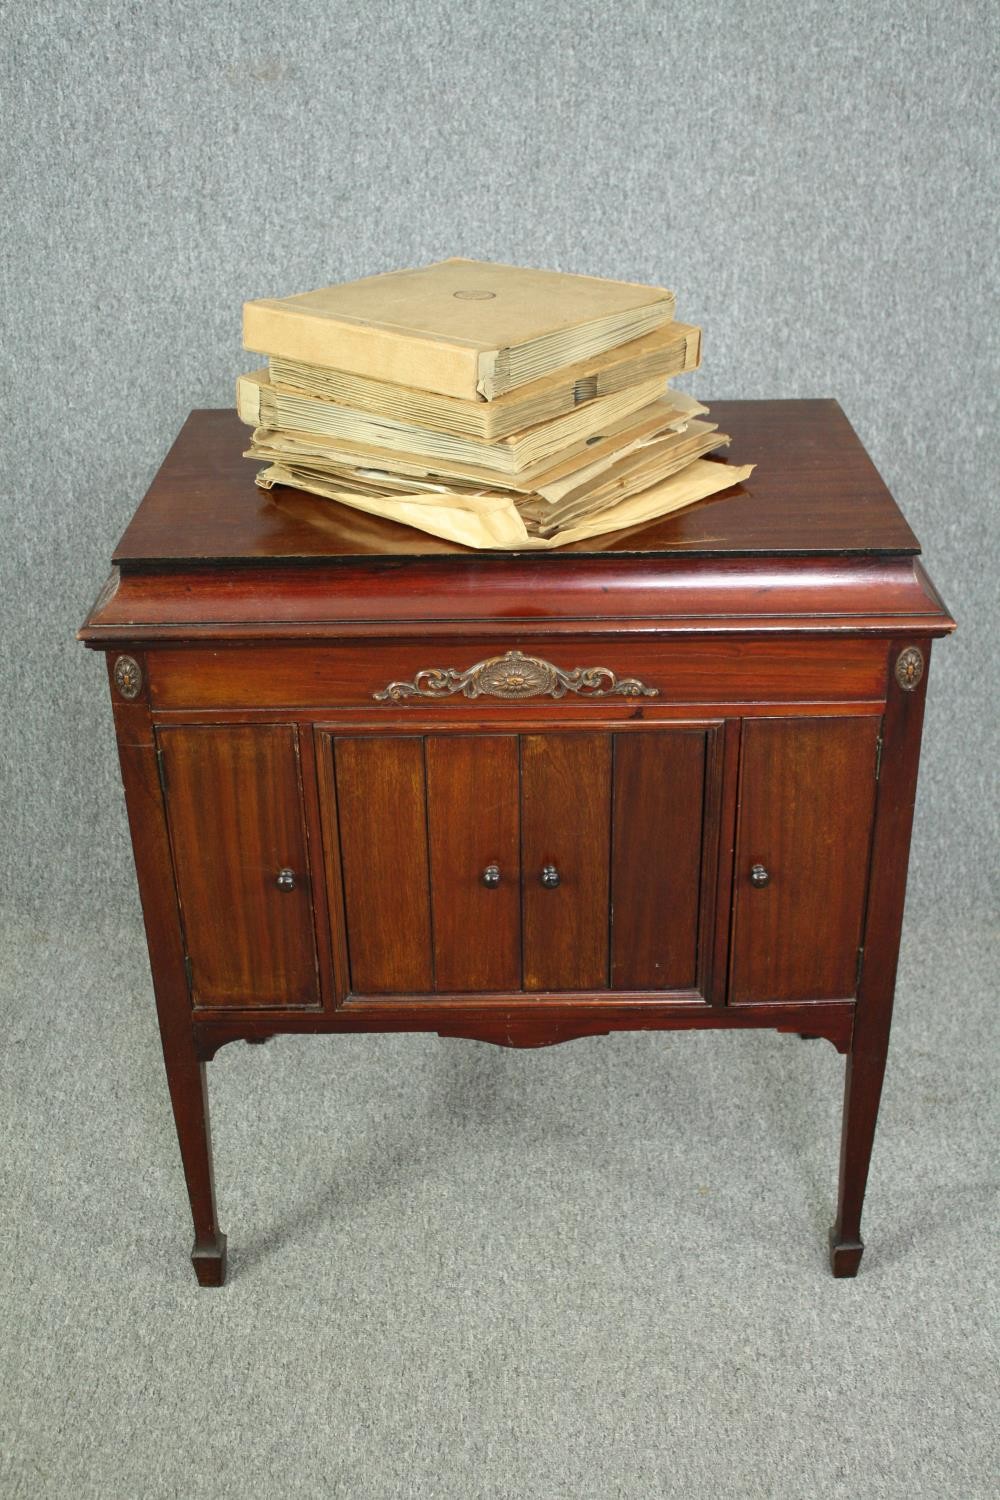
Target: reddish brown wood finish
{"x":182,"y":1056}
{"x":872,"y":595}
{"x":382,"y":823}
{"x":897,"y":792}
{"x":473,"y":816}
{"x":807,"y":789}
{"x":565,"y":827}
{"x":234,"y":810}
{"x":688,"y":672}
{"x":484,"y":795}
{"x":542,"y":1022}
{"x":770,"y":621}
{"x":815,"y":490}
{"x":659,"y":817}
{"x":325,"y":886}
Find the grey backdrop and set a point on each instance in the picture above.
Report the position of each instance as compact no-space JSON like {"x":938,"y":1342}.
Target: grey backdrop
{"x":818,"y":183}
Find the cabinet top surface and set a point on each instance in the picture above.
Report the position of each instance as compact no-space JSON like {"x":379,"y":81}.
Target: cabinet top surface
{"x":814,"y":491}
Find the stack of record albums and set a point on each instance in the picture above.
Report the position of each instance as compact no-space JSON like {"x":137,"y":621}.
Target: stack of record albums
{"x":491,"y":405}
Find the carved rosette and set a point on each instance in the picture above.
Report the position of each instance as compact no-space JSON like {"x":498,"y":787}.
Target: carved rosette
{"x":128,"y":677}
{"x":909,"y":668}
{"x":515,"y":675}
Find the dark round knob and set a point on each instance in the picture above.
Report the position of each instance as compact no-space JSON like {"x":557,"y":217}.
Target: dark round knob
{"x":491,"y":876}
{"x":285,"y":880}
{"x":759,"y":875}
{"x":550,"y":877}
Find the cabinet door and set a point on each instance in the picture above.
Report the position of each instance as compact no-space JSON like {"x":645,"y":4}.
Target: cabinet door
{"x":807,"y":798}
{"x":475,"y":861}
{"x":659,"y":855}
{"x":497,"y":863}
{"x":382,"y":816}
{"x":430,"y":858}
{"x":234,"y":809}
{"x":565,"y":841}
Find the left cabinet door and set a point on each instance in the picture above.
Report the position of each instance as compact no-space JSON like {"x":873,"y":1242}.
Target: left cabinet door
{"x":430,"y":853}
{"x":241,"y":864}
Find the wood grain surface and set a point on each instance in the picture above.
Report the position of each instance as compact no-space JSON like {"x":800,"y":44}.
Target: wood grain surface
{"x":656,"y":856}
{"x":566,"y":823}
{"x":234,"y":808}
{"x":473,"y":816}
{"x":814,"y":490}
{"x":382,"y":822}
{"x":807,"y":792}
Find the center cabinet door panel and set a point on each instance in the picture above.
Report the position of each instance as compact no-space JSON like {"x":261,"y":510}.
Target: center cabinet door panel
{"x":656,"y":858}
{"x":807,"y":799}
{"x":472,"y":823}
{"x":234,"y":808}
{"x":421,"y":819}
{"x":599,"y":849}
{"x":566,"y":825}
{"x":382,"y":815}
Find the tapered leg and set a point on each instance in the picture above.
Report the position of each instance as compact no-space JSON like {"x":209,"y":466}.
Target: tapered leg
{"x":188,"y":1083}
{"x":862,"y":1091}
{"x":901,"y":726}
{"x":154,"y":869}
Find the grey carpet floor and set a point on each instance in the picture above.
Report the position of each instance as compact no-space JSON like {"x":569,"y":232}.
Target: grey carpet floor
{"x":458,"y":1271}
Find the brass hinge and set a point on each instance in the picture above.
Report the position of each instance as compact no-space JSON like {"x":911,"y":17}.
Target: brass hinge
{"x":857,"y":972}
{"x":160,"y":771}
{"x":878,"y":757}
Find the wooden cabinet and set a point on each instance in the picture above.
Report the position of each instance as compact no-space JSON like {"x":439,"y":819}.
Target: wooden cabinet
{"x":662,"y":780}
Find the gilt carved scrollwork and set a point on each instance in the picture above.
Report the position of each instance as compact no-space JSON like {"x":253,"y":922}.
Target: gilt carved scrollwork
{"x":515,"y":675}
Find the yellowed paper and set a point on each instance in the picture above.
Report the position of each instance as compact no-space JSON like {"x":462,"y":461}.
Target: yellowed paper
{"x":670,"y":411}
{"x":463,"y":328}
{"x":502,"y":527}
{"x":263,"y":404}
{"x":670,"y":350}
{"x":499,"y":527}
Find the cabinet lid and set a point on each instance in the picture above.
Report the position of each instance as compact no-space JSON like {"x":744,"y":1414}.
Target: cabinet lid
{"x":814,"y":491}
{"x":812,"y":542}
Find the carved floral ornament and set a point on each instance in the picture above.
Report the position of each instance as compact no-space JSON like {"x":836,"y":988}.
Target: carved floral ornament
{"x":515,"y":675}
{"x":909,"y":668}
{"x":128,"y":676}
